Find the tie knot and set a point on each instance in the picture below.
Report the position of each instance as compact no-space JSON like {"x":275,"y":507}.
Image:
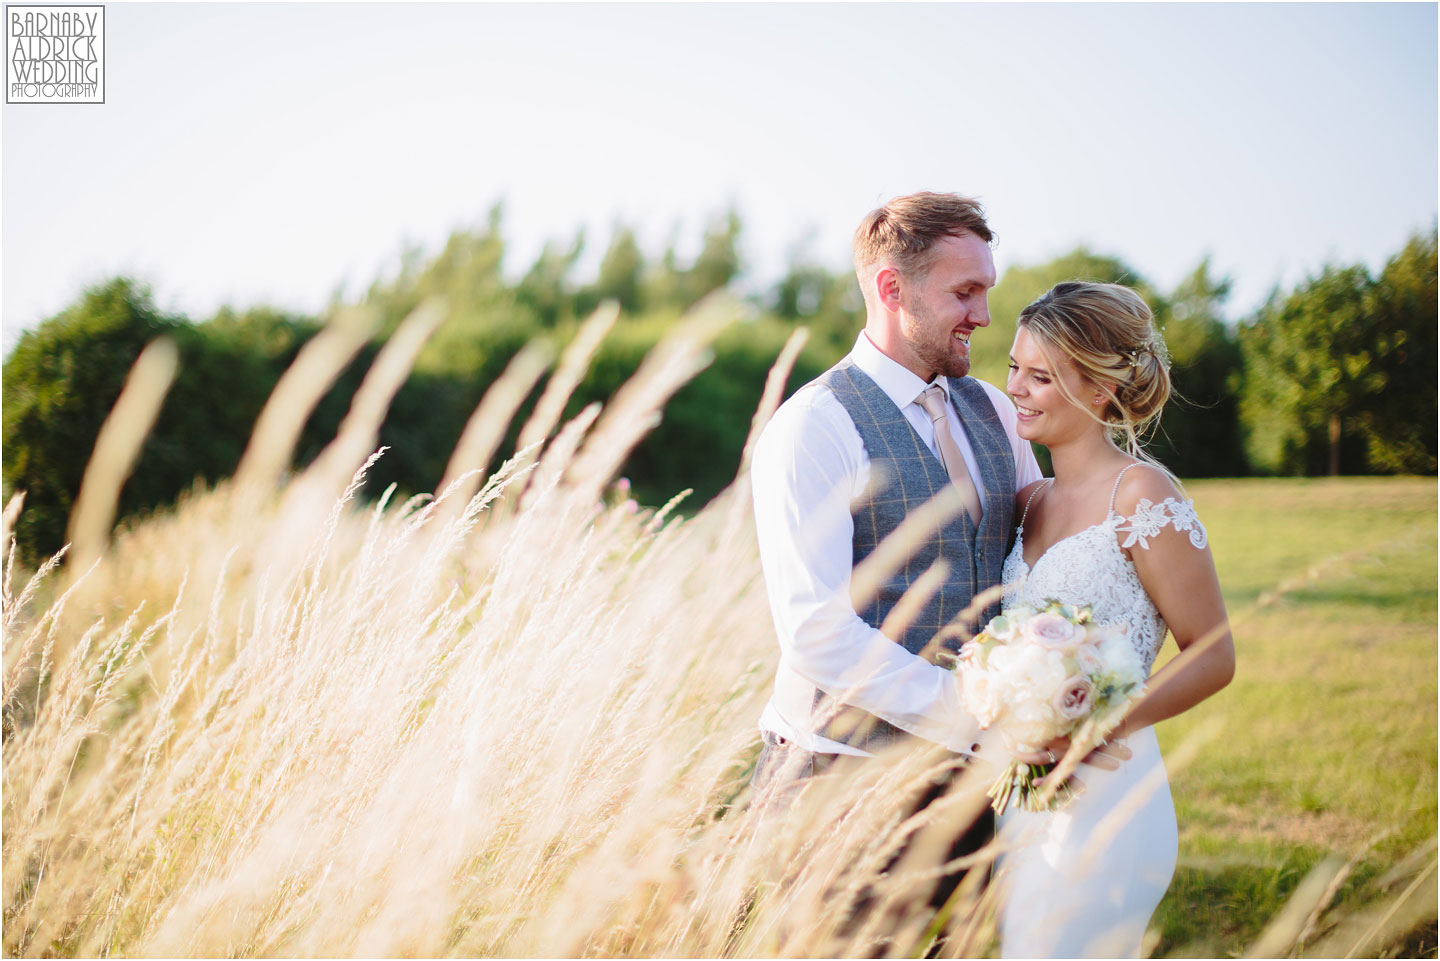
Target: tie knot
{"x":932,"y":398}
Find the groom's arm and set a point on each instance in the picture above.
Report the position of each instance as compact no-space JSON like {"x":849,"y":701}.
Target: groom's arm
{"x":808,"y":466}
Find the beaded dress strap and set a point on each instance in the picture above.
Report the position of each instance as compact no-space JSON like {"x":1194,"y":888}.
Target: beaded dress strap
{"x":1118,"y":477}
{"x":1026,"y":511}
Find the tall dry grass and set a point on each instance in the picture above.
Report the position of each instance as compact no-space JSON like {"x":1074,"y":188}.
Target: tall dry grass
{"x":516,"y":719}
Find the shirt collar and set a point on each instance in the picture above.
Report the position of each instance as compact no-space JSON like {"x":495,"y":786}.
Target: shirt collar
{"x":897,"y":381}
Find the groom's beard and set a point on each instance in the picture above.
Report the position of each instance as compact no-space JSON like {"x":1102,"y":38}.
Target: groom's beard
{"x":932,"y":341}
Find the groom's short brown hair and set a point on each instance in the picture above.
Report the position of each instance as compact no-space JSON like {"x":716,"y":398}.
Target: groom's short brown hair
{"x":903,"y":231}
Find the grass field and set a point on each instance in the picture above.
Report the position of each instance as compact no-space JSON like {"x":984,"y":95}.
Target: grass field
{"x":275,"y":722}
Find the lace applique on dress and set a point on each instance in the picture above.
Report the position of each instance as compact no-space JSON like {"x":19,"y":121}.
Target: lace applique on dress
{"x":1150,"y":519}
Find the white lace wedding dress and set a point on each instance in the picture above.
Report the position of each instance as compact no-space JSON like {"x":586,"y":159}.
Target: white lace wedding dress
{"x":1083,"y":881}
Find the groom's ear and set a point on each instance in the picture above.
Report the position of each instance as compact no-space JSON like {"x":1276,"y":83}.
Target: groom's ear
{"x":887,"y":287}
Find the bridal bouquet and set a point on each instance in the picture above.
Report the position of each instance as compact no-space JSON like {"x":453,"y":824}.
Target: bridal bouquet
{"x":1041,"y":674}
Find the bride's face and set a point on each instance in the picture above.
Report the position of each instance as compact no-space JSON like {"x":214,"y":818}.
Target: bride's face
{"x":1045,"y":411}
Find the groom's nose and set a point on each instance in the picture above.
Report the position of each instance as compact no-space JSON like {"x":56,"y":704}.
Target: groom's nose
{"x":980,"y":316}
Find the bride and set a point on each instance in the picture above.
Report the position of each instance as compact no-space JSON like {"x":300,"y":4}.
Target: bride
{"x":1111,"y":530}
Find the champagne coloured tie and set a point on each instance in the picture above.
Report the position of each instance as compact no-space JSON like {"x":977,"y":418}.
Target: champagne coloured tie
{"x":935,"y":403}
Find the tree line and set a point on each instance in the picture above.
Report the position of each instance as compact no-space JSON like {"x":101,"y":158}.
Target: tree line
{"x":1335,"y":376}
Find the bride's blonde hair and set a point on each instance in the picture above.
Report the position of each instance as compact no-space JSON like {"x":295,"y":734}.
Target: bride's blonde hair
{"x":1108,"y":332}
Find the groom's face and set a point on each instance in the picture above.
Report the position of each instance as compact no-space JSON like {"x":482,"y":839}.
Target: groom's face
{"x":943,"y":306}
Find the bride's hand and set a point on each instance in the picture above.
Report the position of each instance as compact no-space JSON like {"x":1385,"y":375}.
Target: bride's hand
{"x":1107,"y":757}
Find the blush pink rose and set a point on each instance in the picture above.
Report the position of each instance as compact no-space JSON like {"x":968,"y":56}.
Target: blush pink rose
{"x":1076,"y":698}
{"x":1053,"y":631}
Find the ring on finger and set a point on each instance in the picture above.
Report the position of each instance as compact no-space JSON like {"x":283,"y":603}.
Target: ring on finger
{"x":1051,"y":755}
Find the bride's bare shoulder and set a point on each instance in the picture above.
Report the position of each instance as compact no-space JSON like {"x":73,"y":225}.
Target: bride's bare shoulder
{"x":1145,"y":482}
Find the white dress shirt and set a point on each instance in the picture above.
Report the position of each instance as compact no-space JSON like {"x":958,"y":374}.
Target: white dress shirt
{"x":809,"y":465}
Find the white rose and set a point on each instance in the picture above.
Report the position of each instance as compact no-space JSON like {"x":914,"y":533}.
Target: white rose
{"x":981,"y":697}
{"x":1031,"y":724}
{"x":1036,"y":672}
{"x":1002,"y":659}
{"x":1026,"y":680}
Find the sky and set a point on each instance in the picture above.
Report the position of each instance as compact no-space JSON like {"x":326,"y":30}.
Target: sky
{"x":277,"y":154}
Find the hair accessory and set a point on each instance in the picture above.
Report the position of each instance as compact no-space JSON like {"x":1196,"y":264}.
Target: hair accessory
{"x":1132,"y":357}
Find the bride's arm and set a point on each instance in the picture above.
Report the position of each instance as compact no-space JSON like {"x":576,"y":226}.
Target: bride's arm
{"x":1180,"y":578}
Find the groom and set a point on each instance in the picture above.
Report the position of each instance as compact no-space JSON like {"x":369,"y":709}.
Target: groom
{"x":899,"y":411}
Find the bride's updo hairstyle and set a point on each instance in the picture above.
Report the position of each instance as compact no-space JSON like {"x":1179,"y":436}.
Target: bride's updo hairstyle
{"x":1108,"y":332}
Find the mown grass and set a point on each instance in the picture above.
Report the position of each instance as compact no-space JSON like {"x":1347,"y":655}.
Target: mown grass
{"x":1327,"y":742}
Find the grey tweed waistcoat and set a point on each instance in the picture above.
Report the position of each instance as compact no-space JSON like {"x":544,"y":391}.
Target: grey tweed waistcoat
{"x":905,"y":474}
